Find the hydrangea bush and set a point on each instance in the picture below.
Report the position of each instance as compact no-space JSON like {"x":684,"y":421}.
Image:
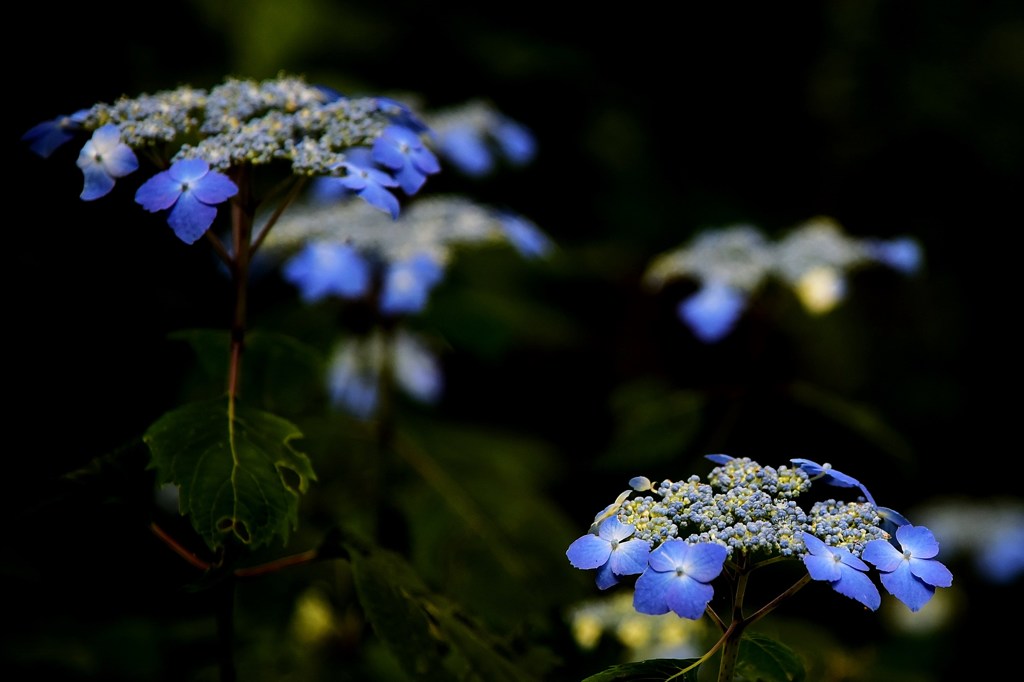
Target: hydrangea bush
{"x":297,"y":179}
{"x":683,"y":539}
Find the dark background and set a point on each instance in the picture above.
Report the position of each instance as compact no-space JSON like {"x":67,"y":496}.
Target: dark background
{"x":652,"y":123}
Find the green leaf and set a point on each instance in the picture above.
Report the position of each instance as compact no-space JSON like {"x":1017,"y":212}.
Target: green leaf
{"x":236,"y":470}
{"x":432,"y":638}
{"x":652,"y":670}
{"x":765,"y":660}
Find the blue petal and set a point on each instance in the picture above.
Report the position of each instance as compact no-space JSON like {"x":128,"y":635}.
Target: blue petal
{"x":650,"y":591}
{"x":97,"y":183}
{"x":606,"y":577}
{"x":719,"y":459}
{"x":516,"y":141}
{"x":688,"y":597}
{"x":883,"y":555}
{"x":902,"y":584}
{"x":190,"y":218}
{"x":917,"y":540}
{"x":630,"y":557}
{"x":464,"y":147}
{"x":417,"y":370}
{"x":378,"y":197}
{"x":856,"y":585}
{"x":704,"y":561}
{"x":215,"y":188}
{"x":526,"y":237}
{"x":712,"y":311}
{"x":589,"y":552}
{"x":158,"y":193}
{"x":932,"y":572}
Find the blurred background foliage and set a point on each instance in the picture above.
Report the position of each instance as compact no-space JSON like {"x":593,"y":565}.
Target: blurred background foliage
{"x":563,"y":378}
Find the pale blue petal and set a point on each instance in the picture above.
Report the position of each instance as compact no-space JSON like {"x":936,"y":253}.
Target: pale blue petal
{"x":97,"y":182}
{"x":918,"y":540}
{"x":158,"y":193}
{"x":711,"y":312}
{"x":630,"y":557}
{"x":908,"y":589}
{"x":190,"y":218}
{"x":466,"y":149}
{"x":883,"y":555}
{"x":606,"y":577}
{"x":688,"y":597}
{"x":589,"y":552}
{"x":215,"y":188}
{"x":650,"y":591}
{"x":704,"y":561}
{"x":931,"y":571}
{"x":856,"y":585}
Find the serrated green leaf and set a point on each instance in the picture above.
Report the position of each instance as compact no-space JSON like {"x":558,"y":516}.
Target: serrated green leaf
{"x":432,"y":639}
{"x":652,"y":670}
{"x":236,"y":470}
{"x":765,"y":660}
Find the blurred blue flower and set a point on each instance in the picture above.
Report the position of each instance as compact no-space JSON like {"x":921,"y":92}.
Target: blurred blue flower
{"x":44,"y":138}
{"x":403,"y":152}
{"x":903,"y":254}
{"x":416,"y":369}
{"x":325,"y":268}
{"x":1002,"y":558}
{"x":353,"y":378}
{"x":365,"y":180}
{"x":401,"y":114}
{"x":407,"y":284}
{"x":356,"y":370}
{"x":527,"y":238}
{"x":466,"y":147}
{"x":610,"y":552}
{"x":516,"y":141}
{"x":712,"y":311}
{"x":104,"y":158}
{"x":677,"y":578}
{"x":841,"y":569}
{"x":191,"y":191}
{"x":910,"y":573}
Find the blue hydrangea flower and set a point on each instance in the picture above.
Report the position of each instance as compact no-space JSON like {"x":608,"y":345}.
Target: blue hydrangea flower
{"x":400,"y":114}
{"x":356,"y":370}
{"x":323,"y":269}
{"x":191,"y":191}
{"x":465,"y":147}
{"x":104,"y":158}
{"x":516,"y":141}
{"x":677,"y":578}
{"x":903,"y":254}
{"x":826,"y":474}
{"x":911,"y":572}
{"x":712,"y":311}
{"x":367,"y":181}
{"x":403,"y":152}
{"x":407,"y":284}
{"x":610,"y":552}
{"x":353,"y":378}
{"x":841,"y":569}
{"x":526,"y":237}
{"x":417,"y":371}
{"x":44,"y":138}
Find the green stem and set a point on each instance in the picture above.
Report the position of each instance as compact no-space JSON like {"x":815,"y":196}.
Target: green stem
{"x":242,"y":212}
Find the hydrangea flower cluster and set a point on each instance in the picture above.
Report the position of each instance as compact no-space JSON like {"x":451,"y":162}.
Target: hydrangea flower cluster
{"x":475,"y":137}
{"x":370,"y":144}
{"x":681,"y":536}
{"x":732,"y":263}
{"x":337,"y":249}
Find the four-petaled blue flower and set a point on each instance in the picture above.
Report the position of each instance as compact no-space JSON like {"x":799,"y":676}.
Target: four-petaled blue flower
{"x":841,"y":569}
{"x":104,"y":158}
{"x":407,"y":284}
{"x":677,"y":578}
{"x":610,"y":552}
{"x":44,"y":138}
{"x":403,"y":152}
{"x":912,"y":573}
{"x":324,"y":268}
{"x":368,"y":182}
{"x":191,"y":191}
{"x":712,"y":311}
